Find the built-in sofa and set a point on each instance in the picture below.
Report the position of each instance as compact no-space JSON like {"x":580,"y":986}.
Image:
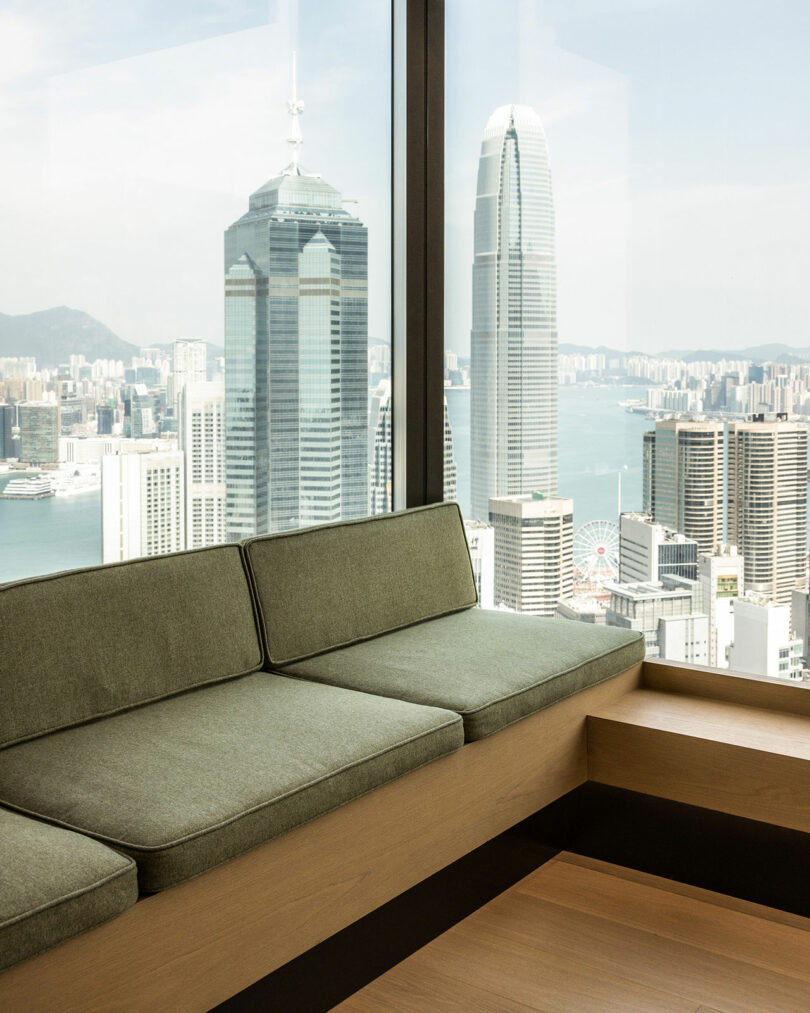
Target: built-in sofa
{"x":215,"y":759}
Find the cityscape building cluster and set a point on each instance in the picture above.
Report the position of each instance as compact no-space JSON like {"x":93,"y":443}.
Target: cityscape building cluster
{"x":292,"y":426}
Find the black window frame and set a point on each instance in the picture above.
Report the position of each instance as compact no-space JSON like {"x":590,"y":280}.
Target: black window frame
{"x":417,"y":263}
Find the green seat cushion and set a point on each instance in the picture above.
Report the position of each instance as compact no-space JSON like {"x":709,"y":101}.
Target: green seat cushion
{"x":55,"y":884}
{"x":191,"y":781}
{"x":86,"y":643}
{"x":322,"y":588}
{"x":493,"y":668}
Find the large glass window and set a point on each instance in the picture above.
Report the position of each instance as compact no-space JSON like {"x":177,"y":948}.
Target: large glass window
{"x":195,"y":276}
{"x":626,"y":370}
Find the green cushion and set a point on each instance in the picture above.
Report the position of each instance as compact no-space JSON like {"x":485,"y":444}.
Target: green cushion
{"x":326,"y":587}
{"x":493,"y":668}
{"x":86,"y":643}
{"x":188,"y":782}
{"x":55,"y":884}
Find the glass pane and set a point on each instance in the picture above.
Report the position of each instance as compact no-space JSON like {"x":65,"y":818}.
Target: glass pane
{"x":627,"y":371}
{"x":163,"y":387}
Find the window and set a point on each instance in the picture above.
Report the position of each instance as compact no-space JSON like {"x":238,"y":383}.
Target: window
{"x":625,"y":247}
{"x":191,"y":370}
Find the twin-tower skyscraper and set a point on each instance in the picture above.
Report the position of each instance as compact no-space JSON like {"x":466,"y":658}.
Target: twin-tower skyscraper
{"x":296,"y":337}
{"x":296,"y":356}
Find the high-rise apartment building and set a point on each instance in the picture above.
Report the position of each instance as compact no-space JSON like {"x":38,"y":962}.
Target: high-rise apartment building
{"x":763,"y":644}
{"x":189,"y":365}
{"x":721,"y":576}
{"x":513,"y":402}
{"x":39,"y":432}
{"x":767,"y":504}
{"x":534,"y":543}
{"x":142,"y":505}
{"x":296,"y":343}
{"x":380,"y":490}
{"x":481,"y":540}
{"x":380,"y":487}
{"x":202,"y":440}
{"x":683,"y":479}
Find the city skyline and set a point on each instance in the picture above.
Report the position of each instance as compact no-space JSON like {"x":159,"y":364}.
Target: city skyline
{"x":96,"y":106}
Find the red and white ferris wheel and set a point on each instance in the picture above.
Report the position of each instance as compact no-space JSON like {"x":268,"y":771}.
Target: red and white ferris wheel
{"x":596,"y":551}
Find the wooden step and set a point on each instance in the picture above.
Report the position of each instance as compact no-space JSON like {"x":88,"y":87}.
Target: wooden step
{"x":726,"y":756}
{"x":583,"y":936}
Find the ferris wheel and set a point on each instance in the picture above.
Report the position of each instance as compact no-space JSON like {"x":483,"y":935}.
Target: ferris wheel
{"x":596,"y":551}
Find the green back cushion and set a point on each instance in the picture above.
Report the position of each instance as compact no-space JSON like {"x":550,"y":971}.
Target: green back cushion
{"x":79,"y":645}
{"x":326,"y":587}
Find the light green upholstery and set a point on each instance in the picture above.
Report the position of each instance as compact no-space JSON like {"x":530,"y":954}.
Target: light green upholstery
{"x":86,"y":643}
{"x":55,"y":884}
{"x":193,"y":780}
{"x":322,"y":588}
{"x":493,"y":668}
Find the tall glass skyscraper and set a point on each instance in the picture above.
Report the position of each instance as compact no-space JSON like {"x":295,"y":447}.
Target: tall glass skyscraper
{"x":296,"y":347}
{"x":514,"y":321}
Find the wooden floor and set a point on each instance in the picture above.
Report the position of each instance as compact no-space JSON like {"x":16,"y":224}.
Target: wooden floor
{"x":582,"y":935}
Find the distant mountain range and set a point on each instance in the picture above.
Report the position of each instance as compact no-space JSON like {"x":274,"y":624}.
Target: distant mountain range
{"x":53,"y":335}
{"x":756,"y":353}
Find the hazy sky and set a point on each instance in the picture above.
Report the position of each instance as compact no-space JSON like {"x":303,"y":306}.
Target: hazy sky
{"x":132,"y":135}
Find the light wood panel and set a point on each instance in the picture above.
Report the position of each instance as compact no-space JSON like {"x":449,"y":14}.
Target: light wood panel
{"x":724,"y":756}
{"x":585,"y":936}
{"x":193,"y":946}
{"x":734,"y":687}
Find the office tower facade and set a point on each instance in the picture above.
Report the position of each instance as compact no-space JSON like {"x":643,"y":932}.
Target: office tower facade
{"x":142,"y":505}
{"x":800,"y":621}
{"x":641,"y":605}
{"x":767,"y":504}
{"x":513,"y":399}
{"x":105,"y":417}
{"x":534,"y":544}
{"x":202,"y":440}
{"x":721,"y":576}
{"x":39,"y":432}
{"x":296,"y":343}
{"x":763,"y":644}
{"x":380,"y":499}
{"x":649,"y":551}
{"x":648,"y":474}
{"x":683,"y":479}
{"x":7,"y":413}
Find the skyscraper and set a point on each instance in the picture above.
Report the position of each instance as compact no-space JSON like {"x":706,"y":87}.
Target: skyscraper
{"x":534,"y":547}
{"x":6,"y":433}
{"x":683,"y":479}
{"x":380,"y":498}
{"x":767,"y":504}
{"x":202,"y":440}
{"x":296,"y":338}
{"x":514,"y":323}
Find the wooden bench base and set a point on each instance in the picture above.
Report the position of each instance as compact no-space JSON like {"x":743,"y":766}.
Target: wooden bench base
{"x":196,"y":944}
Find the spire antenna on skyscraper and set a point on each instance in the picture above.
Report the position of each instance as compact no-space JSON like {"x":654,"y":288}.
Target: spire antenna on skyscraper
{"x":295,"y":108}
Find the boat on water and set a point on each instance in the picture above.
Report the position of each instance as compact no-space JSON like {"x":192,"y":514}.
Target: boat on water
{"x":28,"y":488}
